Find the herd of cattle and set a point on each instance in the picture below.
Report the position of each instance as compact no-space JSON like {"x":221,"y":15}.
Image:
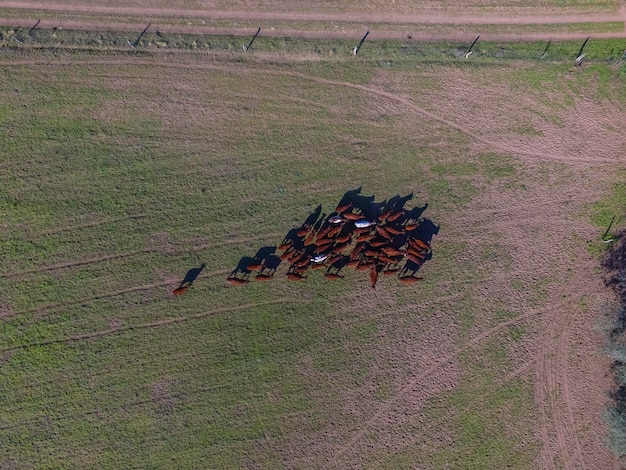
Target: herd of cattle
{"x":382,"y":238}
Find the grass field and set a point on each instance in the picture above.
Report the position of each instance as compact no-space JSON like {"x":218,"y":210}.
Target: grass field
{"x":119,"y":172}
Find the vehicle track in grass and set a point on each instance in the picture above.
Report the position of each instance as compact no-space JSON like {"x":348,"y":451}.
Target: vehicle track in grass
{"x":529,"y":156}
{"x":165,"y":322}
{"x":548,"y":373}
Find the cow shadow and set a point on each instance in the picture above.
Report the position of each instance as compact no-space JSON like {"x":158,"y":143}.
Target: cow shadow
{"x":192,"y":275}
{"x":425,"y":230}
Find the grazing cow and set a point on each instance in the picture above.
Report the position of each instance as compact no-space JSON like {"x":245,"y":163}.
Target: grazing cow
{"x":410,"y":227}
{"x":393,"y":231}
{"x":382,"y":231}
{"x":181,"y":290}
{"x":303,"y":230}
{"x":378,"y":243}
{"x":395,"y":215}
{"x":373,"y":276}
{"x":255,"y":266}
{"x":416,"y":242}
{"x":264,"y":277}
{"x":388,"y":250}
{"x":391,"y":271}
{"x":295,"y":276}
{"x":344,"y":238}
{"x":341,"y":208}
{"x":352,"y":216}
{"x":364,"y":238}
{"x":356,"y":251}
{"x":415,"y":259}
{"x":332,"y":276}
{"x":236,"y":281}
{"x":409,"y":279}
{"x":364,"y":266}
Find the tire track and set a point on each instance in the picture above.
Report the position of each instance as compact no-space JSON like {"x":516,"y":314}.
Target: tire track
{"x":552,"y":387}
{"x":115,"y":293}
{"x":88,"y":261}
{"x":141,"y":326}
{"x":531,"y":157}
{"x":557,"y":307}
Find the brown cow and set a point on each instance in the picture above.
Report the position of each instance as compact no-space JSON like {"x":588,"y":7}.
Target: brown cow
{"x":332,"y":276}
{"x":181,"y":290}
{"x":409,"y":279}
{"x":295,"y":277}
{"x":373,"y":276}
{"x":341,"y":208}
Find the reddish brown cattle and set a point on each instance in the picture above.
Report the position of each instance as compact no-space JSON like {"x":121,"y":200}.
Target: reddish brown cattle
{"x":300,"y":269}
{"x":332,"y":276}
{"x":409,"y":279}
{"x":357,"y":250}
{"x":344,"y":238}
{"x":414,"y":252}
{"x":236,"y":281}
{"x":378,"y":243}
{"x":386,"y":259}
{"x":255,"y":266}
{"x":364,"y":238}
{"x":414,"y":258}
{"x":382,"y":217}
{"x":310,"y":238}
{"x":364,"y":266}
{"x":304,"y":261}
{"x":323,"y":232}
{"x":325,"y":247}
{"x":410,"y":227}
{"x":339,"y":247}
{"x":419,"y":243}
{"x":295,"y":277}
{"x":395,"y":216}
{"x":263,"y":277}
{"x":333,"y":231}
{"x":317,"y":266}
{"x":341,"y":208}
{"x":393,"y":231}
{"x":285,"y":246}
{"x":382,"y":231}
{"x":181,"y":290}
{"x":388,"y":250}
{"x":303,"y":230}
{"x":391,"y":271}
{"x":352,"y":216}
{"x":373,"y":276}
{"x":353,"y":263}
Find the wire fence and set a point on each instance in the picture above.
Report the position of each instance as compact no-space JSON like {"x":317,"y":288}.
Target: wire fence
{"x":380,"y":44}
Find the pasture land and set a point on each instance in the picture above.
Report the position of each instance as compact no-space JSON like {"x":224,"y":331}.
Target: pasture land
{"x":121,"y":171}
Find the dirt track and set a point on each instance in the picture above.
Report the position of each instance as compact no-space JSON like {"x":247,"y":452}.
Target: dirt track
{"x":471,"y":24}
